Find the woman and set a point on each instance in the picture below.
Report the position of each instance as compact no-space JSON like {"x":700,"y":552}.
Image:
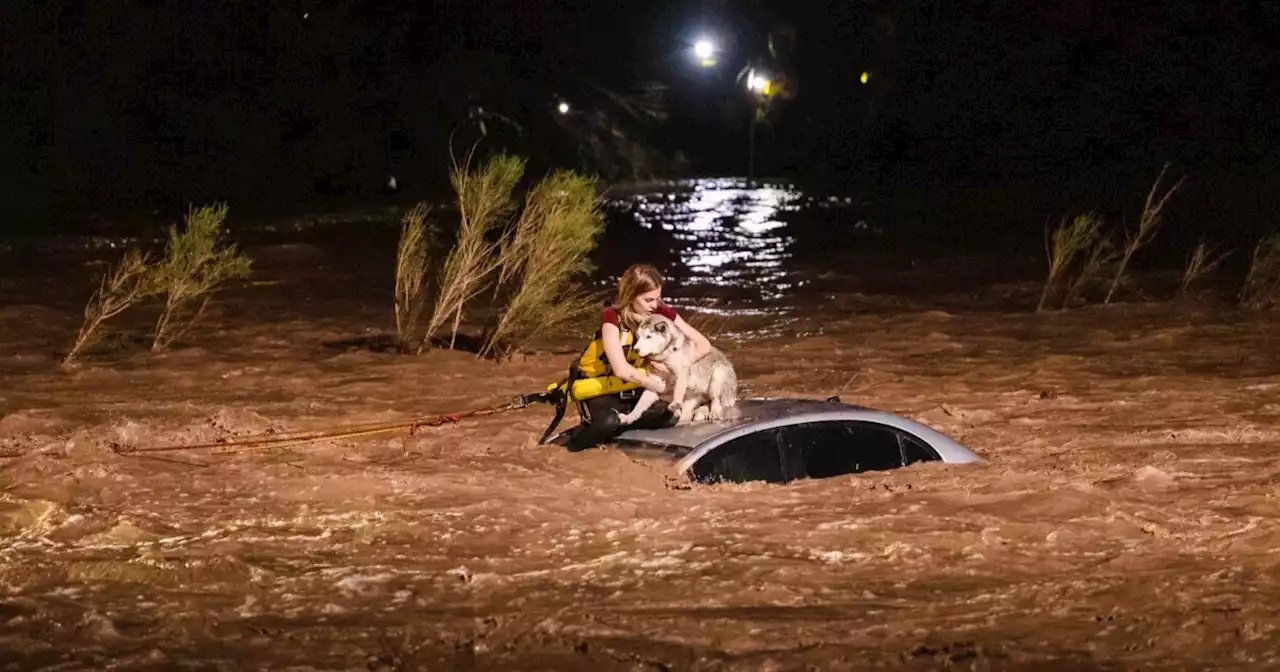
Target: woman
{"x":611,"y":353}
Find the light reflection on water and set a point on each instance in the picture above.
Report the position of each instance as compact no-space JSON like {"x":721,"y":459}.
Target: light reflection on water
{"x":727,"y":233}
{"x":734,"y":247}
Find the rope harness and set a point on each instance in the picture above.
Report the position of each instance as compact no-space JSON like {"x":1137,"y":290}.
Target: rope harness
{"x":226,"y":447}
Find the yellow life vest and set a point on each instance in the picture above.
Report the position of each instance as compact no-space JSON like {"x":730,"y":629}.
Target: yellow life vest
{"x":590,"y":374}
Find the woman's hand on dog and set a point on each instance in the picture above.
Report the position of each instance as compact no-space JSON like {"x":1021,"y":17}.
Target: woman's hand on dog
{"x":655,"y":384}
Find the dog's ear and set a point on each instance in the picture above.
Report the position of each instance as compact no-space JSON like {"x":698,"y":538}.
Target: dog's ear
{"x":660,"y":326}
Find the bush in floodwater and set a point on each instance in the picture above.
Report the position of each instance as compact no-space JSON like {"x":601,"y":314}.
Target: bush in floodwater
{"x":1078,"y":253}
{"x":1201,"y":263}
{"x":196,"y":264}
{"x":484,"y":205}
{"x":1148,"y":223}
{"x":120,"y":288}
{"x":541,"y":259}
{"x":1261,"y":288}
{"x":1096,"y":264}
{"x":413,"y":259}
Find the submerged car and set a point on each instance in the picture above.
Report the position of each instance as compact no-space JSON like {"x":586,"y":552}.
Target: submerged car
{"x":781,"y":440}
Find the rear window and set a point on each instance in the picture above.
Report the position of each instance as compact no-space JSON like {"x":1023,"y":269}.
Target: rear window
{"x":812,"y":450}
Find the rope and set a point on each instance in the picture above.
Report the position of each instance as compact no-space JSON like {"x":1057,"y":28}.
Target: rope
{"x":346,"y":432}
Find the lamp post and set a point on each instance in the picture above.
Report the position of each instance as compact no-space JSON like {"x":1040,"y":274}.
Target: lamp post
{"x":760,"y":87}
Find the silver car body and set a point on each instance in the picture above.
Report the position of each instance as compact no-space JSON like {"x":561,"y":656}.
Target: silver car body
{"x":686,"y":444}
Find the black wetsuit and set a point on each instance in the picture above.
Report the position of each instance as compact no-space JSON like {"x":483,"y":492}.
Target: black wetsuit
{"x":600,"y":419}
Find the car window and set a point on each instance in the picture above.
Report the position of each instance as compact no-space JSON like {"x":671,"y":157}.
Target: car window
{"x":753,"y":457}
{"x":834,"y":448}
{"x":811,"y":450}
{"x":914,"y":450}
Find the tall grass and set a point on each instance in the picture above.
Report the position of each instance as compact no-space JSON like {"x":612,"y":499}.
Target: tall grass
{"x":1148,"y":224}
{"x":1201,"y":262}
{"x":1261,"y":288}
{"x":484,"y":204}
{"x":196,"y":263}
{"x":120,"y":288}
{"x":1069,"y":242}
{"x":1097,"y":261}
{"x":413,"y":257}
{"x":546,"y":251}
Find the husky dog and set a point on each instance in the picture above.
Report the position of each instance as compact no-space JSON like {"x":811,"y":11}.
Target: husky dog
{"x":703,"y":390}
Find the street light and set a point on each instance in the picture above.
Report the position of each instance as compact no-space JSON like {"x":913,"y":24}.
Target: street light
{"x":704,"y":49}
{"x":563,"y":107}
{"x":759,"y":83}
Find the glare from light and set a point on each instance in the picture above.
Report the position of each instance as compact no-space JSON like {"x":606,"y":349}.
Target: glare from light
{"x":704,"y":49}
{"x":758,"y":83}
{"x":563,"y":107}
{"x":865,"y":76}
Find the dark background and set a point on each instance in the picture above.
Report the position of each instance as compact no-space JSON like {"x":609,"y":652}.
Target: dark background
{"x":998,"y":114}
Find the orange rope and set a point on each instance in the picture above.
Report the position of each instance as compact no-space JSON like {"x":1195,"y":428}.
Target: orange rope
{"x":347,"y":432}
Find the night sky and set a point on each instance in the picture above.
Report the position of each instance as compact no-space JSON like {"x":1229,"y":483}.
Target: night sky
{"x":137,"y":105}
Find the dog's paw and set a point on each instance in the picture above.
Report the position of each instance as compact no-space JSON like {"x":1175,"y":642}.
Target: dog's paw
{"x":702,"y":415}
{"x":625,"y":419}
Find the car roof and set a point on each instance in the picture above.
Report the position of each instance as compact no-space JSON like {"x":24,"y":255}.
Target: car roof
{"x":749,"y":412}
{"x":686,"y":444}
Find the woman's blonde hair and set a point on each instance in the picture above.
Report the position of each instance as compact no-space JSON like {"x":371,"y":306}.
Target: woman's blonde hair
{"x":637,"y":280}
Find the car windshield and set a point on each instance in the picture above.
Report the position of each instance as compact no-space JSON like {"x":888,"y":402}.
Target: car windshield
{"x":651,"y":450}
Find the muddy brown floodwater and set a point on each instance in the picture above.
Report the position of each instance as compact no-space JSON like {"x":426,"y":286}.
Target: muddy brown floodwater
{"x":1124,"y":515}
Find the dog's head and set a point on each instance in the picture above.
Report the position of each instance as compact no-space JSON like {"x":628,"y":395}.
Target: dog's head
{"x":658,"y":335}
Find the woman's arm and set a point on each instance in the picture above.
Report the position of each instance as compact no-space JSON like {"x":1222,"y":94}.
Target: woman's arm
{"x":619,"y":364}
{"x":701,"y":346}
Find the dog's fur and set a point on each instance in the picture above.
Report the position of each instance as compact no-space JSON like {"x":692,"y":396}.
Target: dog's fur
{"x":703,"y":390}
